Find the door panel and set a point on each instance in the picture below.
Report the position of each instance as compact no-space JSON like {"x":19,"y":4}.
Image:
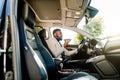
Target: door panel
{"x":114,"y":59}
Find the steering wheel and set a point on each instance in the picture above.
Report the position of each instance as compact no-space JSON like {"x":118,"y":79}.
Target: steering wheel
{"x":81,"y":44}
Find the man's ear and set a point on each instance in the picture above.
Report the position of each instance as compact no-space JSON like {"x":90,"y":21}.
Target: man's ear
{"x":54,"y":34}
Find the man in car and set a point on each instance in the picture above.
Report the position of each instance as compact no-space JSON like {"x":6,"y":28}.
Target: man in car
{"x":56,"y":47}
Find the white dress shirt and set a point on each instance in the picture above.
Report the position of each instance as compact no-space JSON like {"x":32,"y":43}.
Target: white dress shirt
{"x":57,"y":49}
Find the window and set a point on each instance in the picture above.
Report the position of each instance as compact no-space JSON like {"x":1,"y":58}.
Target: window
{"x":1,"y":7}
{"x":68,"y":34}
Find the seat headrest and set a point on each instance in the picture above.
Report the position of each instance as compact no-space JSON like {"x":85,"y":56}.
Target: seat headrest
{"x":28,"y":16}
{"x":43,"y":33}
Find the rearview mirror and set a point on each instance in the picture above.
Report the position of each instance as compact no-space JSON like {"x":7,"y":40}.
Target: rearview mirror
{"x":90,"y":13}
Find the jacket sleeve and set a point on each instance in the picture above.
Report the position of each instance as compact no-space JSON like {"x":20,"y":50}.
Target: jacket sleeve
{"x":68,"y":53}
{"x":57,"y":49}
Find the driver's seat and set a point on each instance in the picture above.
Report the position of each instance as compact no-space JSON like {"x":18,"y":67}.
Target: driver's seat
{"x":42,"y":35}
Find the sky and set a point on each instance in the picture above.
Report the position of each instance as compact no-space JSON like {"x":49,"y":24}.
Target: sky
{"x":1,"y":4}
{"x":109,"y":10}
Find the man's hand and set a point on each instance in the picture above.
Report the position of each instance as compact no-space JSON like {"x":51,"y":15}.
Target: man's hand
{"x":66,"y":41}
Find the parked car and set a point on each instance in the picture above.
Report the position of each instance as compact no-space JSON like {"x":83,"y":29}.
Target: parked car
{"x":23,"y":55}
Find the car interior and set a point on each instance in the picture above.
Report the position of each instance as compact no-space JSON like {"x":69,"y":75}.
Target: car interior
{"x":38,"y":63}
{"x":34,"y":18}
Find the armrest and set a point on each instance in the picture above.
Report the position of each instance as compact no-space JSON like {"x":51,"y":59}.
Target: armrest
{"x":58,"y":62}
{"x":74,"y":63}
{"x":81,"y":61}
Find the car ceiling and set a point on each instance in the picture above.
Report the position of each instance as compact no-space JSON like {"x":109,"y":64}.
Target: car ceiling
{"x":58,"y":12}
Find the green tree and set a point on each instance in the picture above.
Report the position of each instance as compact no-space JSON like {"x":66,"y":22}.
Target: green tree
{"x":94,"y":27}
{"x":78,"y":38}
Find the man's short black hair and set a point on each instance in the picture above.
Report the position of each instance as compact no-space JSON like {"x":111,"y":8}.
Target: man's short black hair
{"x":55,"y":30}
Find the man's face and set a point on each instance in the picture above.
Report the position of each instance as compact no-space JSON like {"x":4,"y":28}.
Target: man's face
{"x":58,"y":35}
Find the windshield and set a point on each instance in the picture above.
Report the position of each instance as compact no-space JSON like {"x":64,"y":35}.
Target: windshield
{"x":106,"y":22}
{"x":94,"y":27}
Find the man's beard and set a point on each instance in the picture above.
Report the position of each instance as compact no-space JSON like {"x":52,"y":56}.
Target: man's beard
{"x":59,"y":38}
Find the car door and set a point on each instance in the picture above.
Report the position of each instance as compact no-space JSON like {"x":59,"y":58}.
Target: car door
{"x":112,"y":51}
